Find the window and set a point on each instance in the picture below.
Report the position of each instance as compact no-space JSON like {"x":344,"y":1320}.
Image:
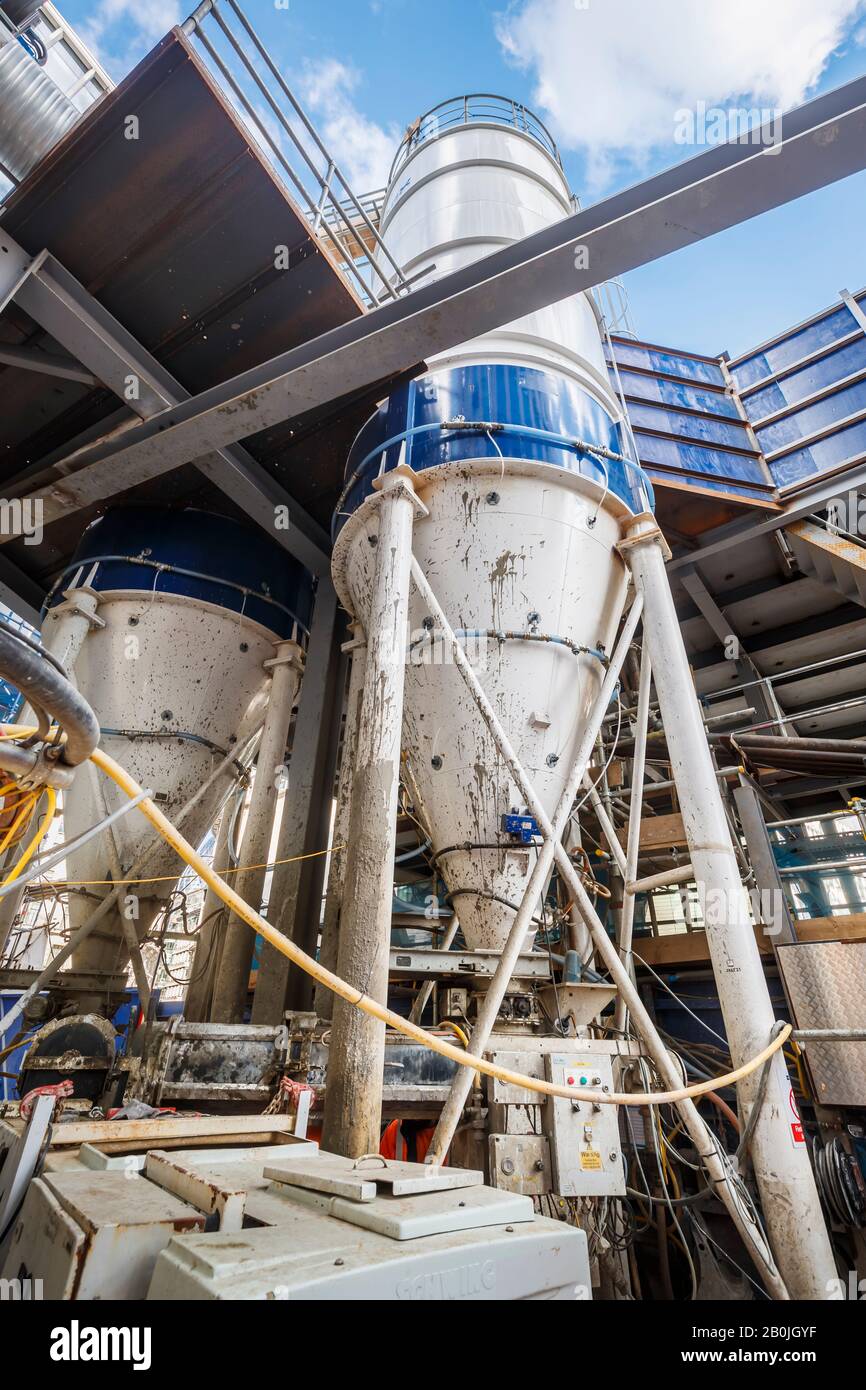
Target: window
{"x":787,"y":351}
{"x":671,"y":363}
{"x":796,"y":387}
{"x":690,"y":426}
{"x":836,"y":449}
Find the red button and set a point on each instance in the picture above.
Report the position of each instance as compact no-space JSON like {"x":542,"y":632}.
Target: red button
{"x":570,"y":1080}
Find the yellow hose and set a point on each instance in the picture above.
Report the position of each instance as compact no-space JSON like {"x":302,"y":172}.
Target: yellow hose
{"x":385,"y":1015}
{"x":459,"y":1033}
{"x":370,"y":1006}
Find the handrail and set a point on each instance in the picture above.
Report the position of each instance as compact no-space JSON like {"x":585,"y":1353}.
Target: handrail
{"x":475,"y":108}
{"x":297,"y":151}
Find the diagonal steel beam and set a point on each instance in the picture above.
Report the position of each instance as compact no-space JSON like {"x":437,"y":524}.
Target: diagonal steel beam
{"x":721,"y":626}
{"x":45,"y":363}
{"x":63,"y":307}
{"x":821,"y":141}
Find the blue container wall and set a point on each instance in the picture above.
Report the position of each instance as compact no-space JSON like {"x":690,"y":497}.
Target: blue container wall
{"x":209,"y":557}
{"x":541,"y":413}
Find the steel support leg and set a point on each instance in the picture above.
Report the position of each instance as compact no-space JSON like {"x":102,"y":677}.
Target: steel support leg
{"x":779,"y":919}
{"x":638,"y":767}
{"x":294,"y":904}
{"x":232,"y":982}
{"x":356,"y":647}
{"x":792,"y":1209}
{"x":353,"y":1097}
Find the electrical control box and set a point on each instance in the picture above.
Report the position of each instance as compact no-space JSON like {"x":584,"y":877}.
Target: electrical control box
{"x":524,"y":828}
{"x":585,"y":1146}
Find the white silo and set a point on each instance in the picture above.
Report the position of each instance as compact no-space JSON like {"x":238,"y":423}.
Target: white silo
{"x":519,"y":540}
{"x":186,"y":610}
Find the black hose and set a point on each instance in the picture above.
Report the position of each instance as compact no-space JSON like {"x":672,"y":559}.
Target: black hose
{"x":42,"y":685}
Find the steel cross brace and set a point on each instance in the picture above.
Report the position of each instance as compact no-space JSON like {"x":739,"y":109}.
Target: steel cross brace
{"x":61,"y":305}
{"x":714,"y":1160}
{"x":822,"y":141}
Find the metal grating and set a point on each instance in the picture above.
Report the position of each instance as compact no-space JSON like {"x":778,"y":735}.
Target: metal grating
{"x":826,"y":984}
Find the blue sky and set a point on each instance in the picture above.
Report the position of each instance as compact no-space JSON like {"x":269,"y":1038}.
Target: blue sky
{"x":612,"y":79}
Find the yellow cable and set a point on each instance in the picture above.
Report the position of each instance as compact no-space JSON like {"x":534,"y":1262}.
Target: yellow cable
{"x":455,"y":1028}
{"x":170,"y":878}
{"x":356,"y":997}
{"x":25,"y":812}
{"x":458,"y":1031}
{"x":36,"y":840}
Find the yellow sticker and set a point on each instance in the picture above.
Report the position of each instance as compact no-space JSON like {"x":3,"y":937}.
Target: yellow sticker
{"x":590,"y":1159}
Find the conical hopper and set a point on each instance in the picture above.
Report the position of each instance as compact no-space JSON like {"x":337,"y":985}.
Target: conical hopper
{"x":526,"y":551}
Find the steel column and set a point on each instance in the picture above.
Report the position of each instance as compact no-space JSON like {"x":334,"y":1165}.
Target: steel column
{"x":353,"y":1098}
{"x":356,"y":647}
{"x":763,"y":862}
{"x":294,"y":904}
{"x":792,"y":1209}
{"x":232,"y":981}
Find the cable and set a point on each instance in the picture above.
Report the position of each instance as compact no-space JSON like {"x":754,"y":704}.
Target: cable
{"x":746,"y":1137}
{"x":722,"y":1040}
{"x":69,"y":847}
{"x":170,"y":878}
{"x":35,"y":841}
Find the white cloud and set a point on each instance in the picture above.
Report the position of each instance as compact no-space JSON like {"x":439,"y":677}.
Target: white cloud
{"x":120,"y":32}
{"x":610,"y":75}
{"x":363,"y":149}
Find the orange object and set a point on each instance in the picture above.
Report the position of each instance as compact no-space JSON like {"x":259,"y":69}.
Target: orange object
{"x":407,"y":1140}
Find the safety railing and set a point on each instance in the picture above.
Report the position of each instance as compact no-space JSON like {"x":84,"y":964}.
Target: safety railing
{"x":290,"y":142}
{"x":476,"y":108}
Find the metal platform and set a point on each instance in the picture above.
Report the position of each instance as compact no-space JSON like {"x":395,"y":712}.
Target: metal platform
{"x":174,"y":234}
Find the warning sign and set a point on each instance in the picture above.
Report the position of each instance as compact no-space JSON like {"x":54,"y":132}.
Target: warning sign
{"x":590,"y":1160}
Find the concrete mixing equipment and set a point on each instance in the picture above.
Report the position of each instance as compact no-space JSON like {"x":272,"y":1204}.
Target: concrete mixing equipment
{"x":171,"y":621}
